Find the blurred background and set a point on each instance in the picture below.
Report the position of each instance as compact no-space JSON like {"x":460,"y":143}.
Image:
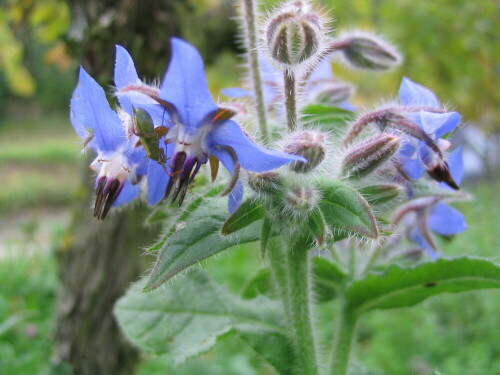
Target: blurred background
{"x":450,"y":46}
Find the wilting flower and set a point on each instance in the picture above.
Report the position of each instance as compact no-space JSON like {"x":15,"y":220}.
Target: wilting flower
{"x":117,"y":163}
{"x":424,"y":110}
{"x":198,"y":130}
{"x":431,"y":215}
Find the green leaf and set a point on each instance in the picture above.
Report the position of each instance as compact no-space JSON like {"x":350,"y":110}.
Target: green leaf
{"x":399,"y":287}
{"x":274,"y":347}
{"x":186,"y":318}
{"x":345,"y":210}
{"x":249,"y":212}
{"x":326,"y":117}
{"x":197,"y":241}
{"x":327,"y":277}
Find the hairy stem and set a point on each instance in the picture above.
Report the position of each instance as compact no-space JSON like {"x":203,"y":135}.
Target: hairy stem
{"x":290,"y":99}
{"x":249,"y":24}
{"x":291,"y":271}
{"x":344,"y":335}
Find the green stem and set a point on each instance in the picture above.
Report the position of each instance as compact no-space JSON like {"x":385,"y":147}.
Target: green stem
{"x":344,"y":336}
{"x":290,"y":267}
{"x":290,"y":99}
{"x":249,"y":23}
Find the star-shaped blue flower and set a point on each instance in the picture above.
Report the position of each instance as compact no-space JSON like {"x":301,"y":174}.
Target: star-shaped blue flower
{"x":117,"y":163}
{"x":198,"y":128}
{"x":422,"y":107}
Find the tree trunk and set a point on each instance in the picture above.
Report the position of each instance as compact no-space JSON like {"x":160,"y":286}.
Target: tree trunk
{"x":97,"y":264}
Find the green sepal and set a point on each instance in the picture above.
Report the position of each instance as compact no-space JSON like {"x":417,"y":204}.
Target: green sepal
{"x":317,"y":225}
{"x":265,"y":234}
{"x":378,"y":194}
{"x":346,"y":211}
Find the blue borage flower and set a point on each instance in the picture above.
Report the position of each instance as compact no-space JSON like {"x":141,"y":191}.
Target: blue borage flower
{"x":198,"y":130}
{"x":422,"y":107}
{"x":117,"y":163}
{"x":434,"y":215}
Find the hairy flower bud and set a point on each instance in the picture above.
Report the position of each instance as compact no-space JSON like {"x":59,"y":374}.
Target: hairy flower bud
{"x":367,"y":51}
{"x":334,"y":93}
{"x":265,"y":183}
{"x":310,"y":144}
{"x":294,"y":33}
{"x":368,"y":155}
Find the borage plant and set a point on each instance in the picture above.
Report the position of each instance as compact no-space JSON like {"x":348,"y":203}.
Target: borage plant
{"x":331,"y":203}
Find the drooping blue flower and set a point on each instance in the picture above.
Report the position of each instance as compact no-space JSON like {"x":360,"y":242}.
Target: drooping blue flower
{"x":422,"y":107}
{"x":440,"y":218}
{"x":117,"y":163}
{"x":198,"y":129}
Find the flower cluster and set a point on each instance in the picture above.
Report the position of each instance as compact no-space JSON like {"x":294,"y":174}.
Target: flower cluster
{"x":186,"y":130}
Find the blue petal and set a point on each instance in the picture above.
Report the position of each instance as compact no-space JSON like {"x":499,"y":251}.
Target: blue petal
{"x":128,"y":193}
{"x":90,"y":110}
{"x":417,"y":237}
{"x":158,"y":179}
{"x":408,"y":148}
{"x":414,"y":168}
{"x":236,"y":92}
{"x":438,"y":124}
{"x":185,"y":85}
{"x":125,"y":72}
{"x":413,"y":94}
{"x":251,"y":156}
{"x":236,"y":195}
{"x":427,"y":155}
{"x":445,"y":220}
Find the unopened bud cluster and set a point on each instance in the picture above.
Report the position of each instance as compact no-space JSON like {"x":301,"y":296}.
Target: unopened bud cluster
{"x":267,"y":183}
{"x":300,"y":199}
{"x":294,"y":33}
{"x":310,"y":144}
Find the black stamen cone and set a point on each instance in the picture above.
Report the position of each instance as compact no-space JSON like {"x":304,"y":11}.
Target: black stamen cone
{"x":106,"y":193}
{"x":441,"y":173}
{"x":183,"y":173}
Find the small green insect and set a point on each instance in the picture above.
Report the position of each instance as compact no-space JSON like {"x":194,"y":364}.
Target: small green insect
{"x":149,"y":136}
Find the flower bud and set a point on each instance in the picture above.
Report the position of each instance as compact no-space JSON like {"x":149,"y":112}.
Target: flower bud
{"x":334,"y":93}
{"x":368,"y":155}
{"x":266,"y":183}
{"x":366,"y":51}
{"x":310,"y":144}
{"x":300,"y":199}
{"x":294,"y":33}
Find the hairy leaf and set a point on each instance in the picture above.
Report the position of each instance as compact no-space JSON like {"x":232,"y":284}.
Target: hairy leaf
{"x":249,"y":212}
{"x":198,"y":240}
{"x":399,"y":287}
{"x":186,"y":318}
